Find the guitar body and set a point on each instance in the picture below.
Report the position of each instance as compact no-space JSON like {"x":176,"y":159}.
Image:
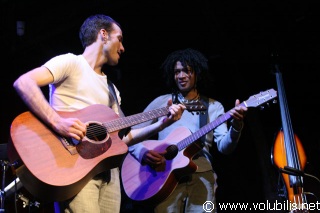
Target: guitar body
{"x":144,"y":184}
{"x":50,"y":171}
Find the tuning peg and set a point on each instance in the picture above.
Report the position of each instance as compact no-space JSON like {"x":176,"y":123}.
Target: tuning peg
{"x":261,"y":107}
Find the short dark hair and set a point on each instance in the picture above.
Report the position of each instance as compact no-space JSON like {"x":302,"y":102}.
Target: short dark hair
{"x":191,"y":57}
{"x":91,"y":26}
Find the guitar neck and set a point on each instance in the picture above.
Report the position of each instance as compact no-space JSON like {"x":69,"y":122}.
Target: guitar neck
{"x":124,"y":122}
{"x":204,"y":130}
{"x":253,"y":101}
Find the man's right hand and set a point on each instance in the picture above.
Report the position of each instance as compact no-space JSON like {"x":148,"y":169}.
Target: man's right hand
{"x":71,"y":127}
{"x":176,"y":111}
{"x":155,"y":160}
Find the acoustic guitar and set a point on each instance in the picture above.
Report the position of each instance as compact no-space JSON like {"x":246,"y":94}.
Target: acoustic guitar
{"x":148,"y":185}
{"x":56,"y":168}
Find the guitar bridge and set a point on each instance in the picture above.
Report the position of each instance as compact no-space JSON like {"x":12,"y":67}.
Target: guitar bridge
{"x":69,"y":145}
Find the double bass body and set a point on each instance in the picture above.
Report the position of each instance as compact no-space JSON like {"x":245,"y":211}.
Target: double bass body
{"x":294,"y":189}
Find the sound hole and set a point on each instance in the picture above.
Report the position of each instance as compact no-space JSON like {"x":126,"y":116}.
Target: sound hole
{"x":172,"y":152}
{"x":96,"y":132}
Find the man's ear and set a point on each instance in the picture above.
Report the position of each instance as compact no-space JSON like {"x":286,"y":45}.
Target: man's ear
{"x":104,"y":35}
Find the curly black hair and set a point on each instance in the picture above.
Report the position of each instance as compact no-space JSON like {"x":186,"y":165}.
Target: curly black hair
{"x":193,"y":58}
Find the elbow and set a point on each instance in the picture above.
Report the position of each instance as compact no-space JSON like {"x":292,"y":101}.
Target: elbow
{"x":227,"y":149}
{"x":20,"y":83}
{"x":17,"y":84}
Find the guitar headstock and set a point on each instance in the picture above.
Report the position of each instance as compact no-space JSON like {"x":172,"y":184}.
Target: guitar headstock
{"x":261,"y":98}
{"x":194,"y":106}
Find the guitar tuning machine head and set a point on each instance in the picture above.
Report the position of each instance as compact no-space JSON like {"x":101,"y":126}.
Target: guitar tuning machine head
{"x":198,"y":113}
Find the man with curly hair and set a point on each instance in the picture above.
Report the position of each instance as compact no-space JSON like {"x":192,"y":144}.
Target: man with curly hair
{"x":186,"y":74}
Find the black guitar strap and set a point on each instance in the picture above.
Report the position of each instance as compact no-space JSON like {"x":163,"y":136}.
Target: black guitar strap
{"x":203,"y":121}
{"x":114,"y":95}
{"x":204,"y":116}
{"x":122,"y":132}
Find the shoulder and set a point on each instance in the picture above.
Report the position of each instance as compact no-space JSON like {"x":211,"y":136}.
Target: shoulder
{"x":159,"y":101}
{"x":67,"y":56}
{"x":162,"y":98}
{"x":63,"y":59}
{"x":212,"y":103}
{"x":63,"y":65}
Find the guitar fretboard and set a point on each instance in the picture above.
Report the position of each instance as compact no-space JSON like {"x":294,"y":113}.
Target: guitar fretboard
{"x":122,"y":123}
{"x":202,"y":131}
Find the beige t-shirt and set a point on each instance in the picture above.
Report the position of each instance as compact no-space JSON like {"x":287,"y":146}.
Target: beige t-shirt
{"x":76,"y":85}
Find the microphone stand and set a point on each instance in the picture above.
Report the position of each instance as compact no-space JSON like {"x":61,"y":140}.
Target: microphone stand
{"x":4,"y":166}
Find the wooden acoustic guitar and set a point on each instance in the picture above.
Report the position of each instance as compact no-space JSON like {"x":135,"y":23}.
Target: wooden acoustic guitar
{"x":150,"y":186}
{"x":55,"y":168}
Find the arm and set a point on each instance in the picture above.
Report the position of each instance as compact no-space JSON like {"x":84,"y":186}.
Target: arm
{"x":229,"y":141}
{"x":28,"y":87}
{"x":140,"y":134}
{"x":238,"y":114}
{"x":141,"y":153}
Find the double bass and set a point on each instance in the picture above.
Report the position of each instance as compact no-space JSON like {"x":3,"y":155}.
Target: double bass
{"x":289,"y":155}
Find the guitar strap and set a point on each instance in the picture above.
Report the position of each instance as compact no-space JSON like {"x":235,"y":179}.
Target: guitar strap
{"x":122,"y":132}
{"x":203,"y":121}
{"x":113,"y":93}
{"x":204,"y":116}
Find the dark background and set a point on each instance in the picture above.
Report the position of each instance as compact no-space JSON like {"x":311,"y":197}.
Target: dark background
{"x":238,"y":37}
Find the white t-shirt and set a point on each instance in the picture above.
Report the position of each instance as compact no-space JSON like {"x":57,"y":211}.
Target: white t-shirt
{"x":76,"y":85}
